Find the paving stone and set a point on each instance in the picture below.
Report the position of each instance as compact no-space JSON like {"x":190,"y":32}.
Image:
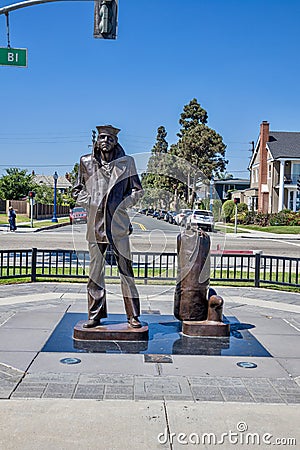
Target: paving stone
{"x":89,"y":392}
{"x":206,"y":392}
{"x":236,"y":394}
{"x":270,"y":399}
{"x":203,"y":381}
{"x":264,"y":392}
{"x":158,"y":387}
{"x":149,"y":397}
{"x":229,"y":381}
{"x":50,"y":377}
{"x":188,"y":398}
{"x":106,"y":379}
{"x":24,"y":386}
{"x":6,"y":390}
{"x":56,"y":390}
{"x":212,"y":393}
{"x":118,"y":392}
{"x":256,"y":382}
{"x":29,"y":390}
{"x":290,"y":399}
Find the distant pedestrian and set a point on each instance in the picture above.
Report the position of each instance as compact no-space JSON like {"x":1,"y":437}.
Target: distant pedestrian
{"x":12,"y":218}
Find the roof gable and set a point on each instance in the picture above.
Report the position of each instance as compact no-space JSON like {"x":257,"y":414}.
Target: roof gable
{"x":284,"y":144}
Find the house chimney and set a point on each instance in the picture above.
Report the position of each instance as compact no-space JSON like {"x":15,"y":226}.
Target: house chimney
{"x":263,"y":197}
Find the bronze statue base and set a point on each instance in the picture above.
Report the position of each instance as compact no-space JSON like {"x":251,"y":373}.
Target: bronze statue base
{"x":207,"y":328}
{"x":110,"y":332}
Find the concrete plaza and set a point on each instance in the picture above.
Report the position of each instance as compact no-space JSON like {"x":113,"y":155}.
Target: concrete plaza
{"x":119,"y":398}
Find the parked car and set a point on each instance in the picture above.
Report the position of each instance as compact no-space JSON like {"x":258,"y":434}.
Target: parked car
{"x":201,"y":219}
{"x":77,"y":215}
{"x":142,"y":211}
{"x":155,"y":214}
{"x":161,"y":214}
{"x":149,"y":212}
{"x":180,"y":216}
{"x":170,"y":216}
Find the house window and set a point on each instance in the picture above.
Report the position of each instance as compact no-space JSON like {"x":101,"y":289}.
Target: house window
{"x":296,"y":172}
{"x":291,"y":203}
{"x":255,"y":175}
{"x":298,"y":201}
{"x":269,"y":171}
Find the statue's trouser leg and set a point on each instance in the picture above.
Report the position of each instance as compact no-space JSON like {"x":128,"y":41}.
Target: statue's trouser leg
{"x":96,"y":283}
{"x":121,"y":250}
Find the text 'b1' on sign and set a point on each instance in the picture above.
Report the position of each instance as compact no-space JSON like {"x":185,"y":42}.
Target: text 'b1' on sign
{"x":13,"y":57}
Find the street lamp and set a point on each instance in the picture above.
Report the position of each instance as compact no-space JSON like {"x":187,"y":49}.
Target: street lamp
{"x":55,"y":177}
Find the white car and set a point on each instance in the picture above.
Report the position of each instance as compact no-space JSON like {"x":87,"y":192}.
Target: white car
{"x":201,"y":219}
{"x":182,"y":214}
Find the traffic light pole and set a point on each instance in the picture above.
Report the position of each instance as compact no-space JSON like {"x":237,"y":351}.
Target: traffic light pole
{"x":105,"y":15}
{"x":7,"y":9}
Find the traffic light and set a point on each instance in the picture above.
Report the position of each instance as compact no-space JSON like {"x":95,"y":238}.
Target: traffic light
{"x":105,"y":19}
{"x":31,"y":194}
{"x":298,"y":184}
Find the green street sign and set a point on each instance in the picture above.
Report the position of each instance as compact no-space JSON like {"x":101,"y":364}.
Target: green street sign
{"x":13,"y":57}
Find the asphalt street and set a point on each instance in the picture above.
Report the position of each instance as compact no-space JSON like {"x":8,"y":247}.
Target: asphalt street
{"x":150,"y":235}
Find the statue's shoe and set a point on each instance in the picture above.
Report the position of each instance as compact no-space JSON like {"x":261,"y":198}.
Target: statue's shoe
{"x":134,"y":322}
{"x":92,"y":323}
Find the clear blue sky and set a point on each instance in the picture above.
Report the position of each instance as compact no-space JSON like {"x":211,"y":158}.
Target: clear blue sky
{"x":239,"y":58}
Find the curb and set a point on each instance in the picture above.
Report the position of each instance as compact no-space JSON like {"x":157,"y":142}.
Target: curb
{"x":290,"y":237}
{"x":50,"y":227}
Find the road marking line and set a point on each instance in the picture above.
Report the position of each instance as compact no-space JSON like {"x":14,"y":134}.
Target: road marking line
{"x":294,"y":326}
{"x":140,"y":225}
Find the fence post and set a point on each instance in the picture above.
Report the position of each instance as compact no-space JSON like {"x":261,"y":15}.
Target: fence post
{"x":257,"y":267}
{"x":146,"y":269}
{"x":33,"y":264}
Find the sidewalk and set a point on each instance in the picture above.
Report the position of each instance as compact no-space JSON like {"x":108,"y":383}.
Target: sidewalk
{"x":248,"y":233}
{"x":170,"y":385}
{"x":25,"y":226}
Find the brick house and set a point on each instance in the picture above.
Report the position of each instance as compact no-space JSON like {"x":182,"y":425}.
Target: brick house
{"x":274,"y":171}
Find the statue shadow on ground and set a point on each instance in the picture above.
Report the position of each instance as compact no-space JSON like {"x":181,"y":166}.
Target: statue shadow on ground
{"x":165,"y":337}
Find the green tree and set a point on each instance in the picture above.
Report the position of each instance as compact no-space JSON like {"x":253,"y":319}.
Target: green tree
{"x":161,"y":145}
{"x":156,"y":178}
{"x":45,"y":195}
{"x":224,"y":176}
{"x":15,"y":184}
{"x":228,"y":209}
{"x":192,"y":115}
{"x":67,"y":198}
{"x":201,"y":146}
{"x":73,"y":175}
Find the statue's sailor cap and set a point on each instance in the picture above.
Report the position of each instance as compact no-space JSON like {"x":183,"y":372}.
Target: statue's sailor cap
{"x":108,"y":129}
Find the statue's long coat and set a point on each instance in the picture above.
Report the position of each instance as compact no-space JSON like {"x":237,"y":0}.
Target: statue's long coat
{"x":106,"y":190}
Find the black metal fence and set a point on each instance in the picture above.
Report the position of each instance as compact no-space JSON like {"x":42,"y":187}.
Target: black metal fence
{"x":225,"y":267}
